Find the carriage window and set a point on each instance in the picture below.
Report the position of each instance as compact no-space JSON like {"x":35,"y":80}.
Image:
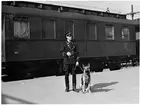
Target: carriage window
{"x":21,"y":29}
{"x":109,"y":32}
{"x":137,"y":35}
{"x":60,"y":29}
{"x":92,"y":31}
{"x":125,"y":33}
{"x":49,"y":29}
{"x":69,"y":26}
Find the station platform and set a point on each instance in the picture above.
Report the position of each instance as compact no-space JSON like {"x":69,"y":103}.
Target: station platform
{"x":107,"y":87}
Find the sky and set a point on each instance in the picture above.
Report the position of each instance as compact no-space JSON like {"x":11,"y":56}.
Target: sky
{"x":122,"y":7}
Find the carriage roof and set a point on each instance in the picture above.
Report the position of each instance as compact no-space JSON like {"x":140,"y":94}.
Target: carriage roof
{"x":69,"y":12}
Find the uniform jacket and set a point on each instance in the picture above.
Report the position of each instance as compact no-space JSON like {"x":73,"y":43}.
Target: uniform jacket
{"x":69,"y":47}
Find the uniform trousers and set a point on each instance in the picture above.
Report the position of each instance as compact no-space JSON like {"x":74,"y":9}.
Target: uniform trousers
{"x":70,"y":68}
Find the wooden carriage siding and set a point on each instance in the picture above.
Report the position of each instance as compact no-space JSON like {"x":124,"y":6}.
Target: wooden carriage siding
{"x":79,"y":24}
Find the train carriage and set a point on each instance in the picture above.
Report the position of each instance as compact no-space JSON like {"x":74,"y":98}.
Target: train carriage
{"x":32,"y":34}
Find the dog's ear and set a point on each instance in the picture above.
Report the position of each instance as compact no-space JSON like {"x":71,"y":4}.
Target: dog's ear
{"x":88,"y":65}
{"x":83,"y":65}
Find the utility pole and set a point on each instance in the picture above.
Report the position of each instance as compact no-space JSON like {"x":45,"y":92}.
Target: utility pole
{"x":132,"y":13}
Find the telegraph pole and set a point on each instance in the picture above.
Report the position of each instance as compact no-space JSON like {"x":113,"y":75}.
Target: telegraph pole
{"x":132,"y":12}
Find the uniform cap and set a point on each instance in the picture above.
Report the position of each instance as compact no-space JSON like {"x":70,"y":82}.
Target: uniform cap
{"x":68,"y":33}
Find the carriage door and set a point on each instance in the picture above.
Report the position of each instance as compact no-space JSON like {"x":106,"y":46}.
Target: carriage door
{"x":69,"y":26}
{"x":3,"y":38}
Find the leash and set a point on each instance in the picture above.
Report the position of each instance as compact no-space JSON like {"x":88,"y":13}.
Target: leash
{"x":79,"y":67}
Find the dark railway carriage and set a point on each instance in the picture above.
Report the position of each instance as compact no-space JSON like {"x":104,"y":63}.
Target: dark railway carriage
{"x":32,"y":34}
{"x":137,"y":30}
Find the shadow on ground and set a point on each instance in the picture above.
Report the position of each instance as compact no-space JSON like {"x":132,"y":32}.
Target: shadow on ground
{"x":99,"y":87}
{"x":5,"y":100}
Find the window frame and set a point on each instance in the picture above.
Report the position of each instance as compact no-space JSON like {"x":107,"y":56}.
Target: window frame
{"x":125,"y":27}
{"x":54,"y":28}
{"x":73,"y":24}
{"x":113,"y":36}
{"x":19,"y":37}
{"x":137,"y":35}
{"x":95,"y":30}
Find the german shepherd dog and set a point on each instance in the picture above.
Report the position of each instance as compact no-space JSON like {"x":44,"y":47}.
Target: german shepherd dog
{"x":85,"y":79}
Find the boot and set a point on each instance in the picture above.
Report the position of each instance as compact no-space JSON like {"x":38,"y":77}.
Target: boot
{"x":67,"y":89}
{"x":74,"y":88}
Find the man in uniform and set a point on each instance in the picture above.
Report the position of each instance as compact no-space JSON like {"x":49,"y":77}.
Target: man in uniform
{"x":70,"y":55}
